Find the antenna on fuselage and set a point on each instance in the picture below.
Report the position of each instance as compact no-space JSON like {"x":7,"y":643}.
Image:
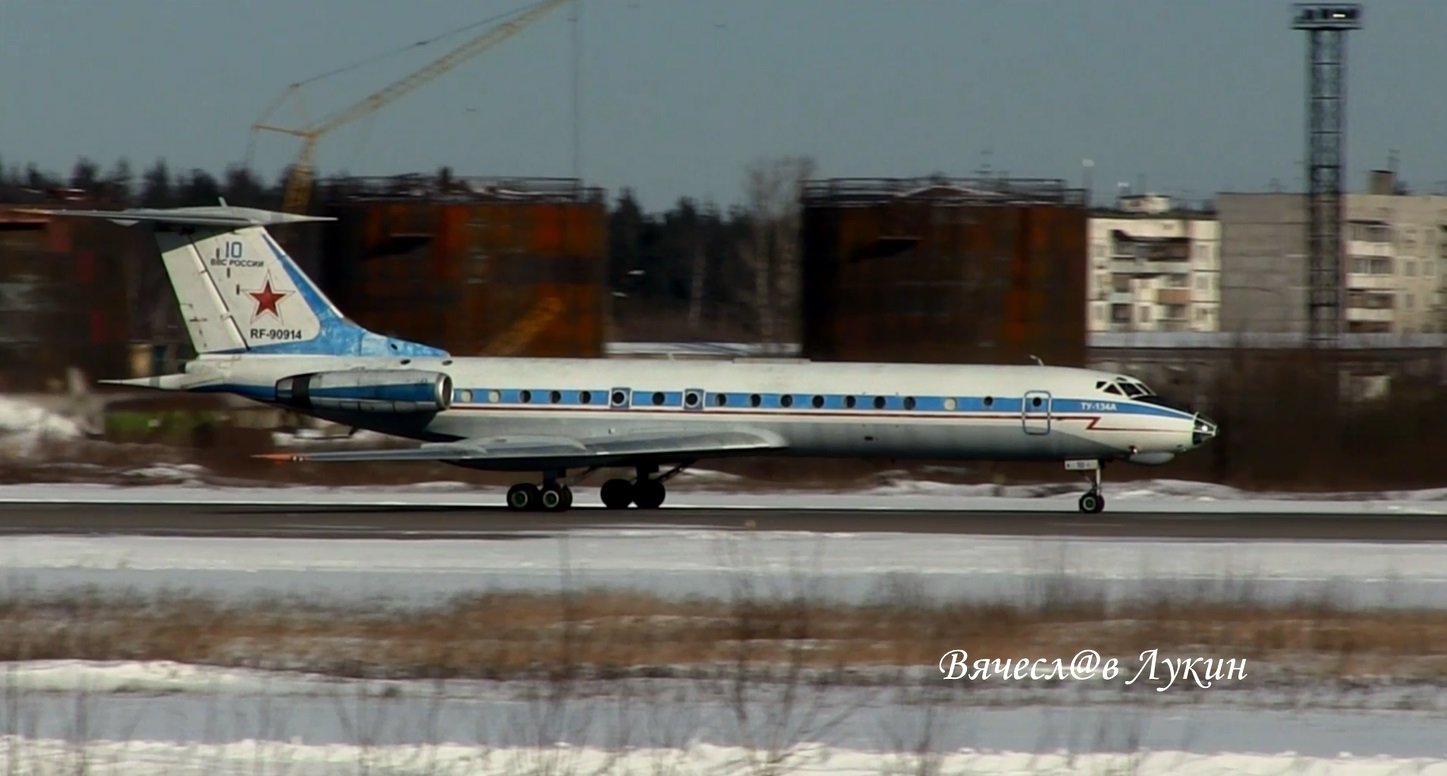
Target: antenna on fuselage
{"x":1037,"y":360}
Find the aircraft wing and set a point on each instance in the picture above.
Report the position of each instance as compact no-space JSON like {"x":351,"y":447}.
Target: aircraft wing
{"x":544,"y":451}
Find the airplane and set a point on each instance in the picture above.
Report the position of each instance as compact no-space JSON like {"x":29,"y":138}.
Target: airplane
{"x":263,"y":330}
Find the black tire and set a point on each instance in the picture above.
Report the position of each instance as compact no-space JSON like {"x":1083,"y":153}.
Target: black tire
{"x":523,"y":497}
{"x":648,"y":494}
{"x":553,"y":498}
{"x":1092,"y":503}
{"x":616,"y":494}
{"x":567,"y":497}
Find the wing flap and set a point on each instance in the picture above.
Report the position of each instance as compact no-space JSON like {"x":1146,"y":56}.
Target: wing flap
{"x":548,"y":450}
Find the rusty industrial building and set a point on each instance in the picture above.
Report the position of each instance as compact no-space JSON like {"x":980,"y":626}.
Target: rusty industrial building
{"x":944,"y":270}
{"x":66,"y":295}
{"x":475,"y":266}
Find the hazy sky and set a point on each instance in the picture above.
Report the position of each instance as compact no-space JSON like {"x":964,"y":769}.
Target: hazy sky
{"x":678,"y":96}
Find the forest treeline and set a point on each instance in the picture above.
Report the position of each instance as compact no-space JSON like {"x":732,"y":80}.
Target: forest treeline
{"x":727,"y":273}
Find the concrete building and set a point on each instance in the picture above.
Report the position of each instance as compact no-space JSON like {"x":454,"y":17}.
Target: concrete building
{"x":1395,"y":254}
{"x":1153,"y":267}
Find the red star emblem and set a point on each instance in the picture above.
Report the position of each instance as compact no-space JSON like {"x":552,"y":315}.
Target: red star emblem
{"x":267,"y":300}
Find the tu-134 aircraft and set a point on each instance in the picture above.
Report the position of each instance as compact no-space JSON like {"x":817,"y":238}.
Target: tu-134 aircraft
{"x":263,"y":330}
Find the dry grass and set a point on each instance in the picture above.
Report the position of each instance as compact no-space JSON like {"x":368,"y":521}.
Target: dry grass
{"x":605,"y":634}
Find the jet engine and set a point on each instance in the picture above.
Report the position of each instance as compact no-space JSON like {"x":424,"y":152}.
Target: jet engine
{"x":393,"y":390}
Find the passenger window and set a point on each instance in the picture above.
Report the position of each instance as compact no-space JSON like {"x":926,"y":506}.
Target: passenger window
{"x":720,"y":399}
{"x":657,"y":398}
{"x":755,"y":400}
{"x":879,"y":402}
{"x":909,"y":402}
{"x":786,"y":400}
{"x":849,"y":402}
{"x":526,"y":396}
{"x":555,"y":397}
{"x":818,"y":402}
{"x":586,"y":397}
{"x":989,"y":401}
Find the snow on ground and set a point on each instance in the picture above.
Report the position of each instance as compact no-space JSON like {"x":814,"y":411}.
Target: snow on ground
{"x":147,"y":758}
{"x":684,"y":562}
{"x":174,"y":718}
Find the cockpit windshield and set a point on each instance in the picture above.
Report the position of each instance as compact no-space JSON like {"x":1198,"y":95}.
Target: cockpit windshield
{"x":1124,"y":386}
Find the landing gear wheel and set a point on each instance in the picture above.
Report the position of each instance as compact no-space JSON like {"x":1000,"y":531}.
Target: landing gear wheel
{"x":1092,"y":503}
{"x":648,"y":494}
{"x":555,"y":497}
{"x":523,"y":497}
{"x":617,"y":494}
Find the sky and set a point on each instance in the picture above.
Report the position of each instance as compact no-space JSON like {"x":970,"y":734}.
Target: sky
{"x":678,"y":97}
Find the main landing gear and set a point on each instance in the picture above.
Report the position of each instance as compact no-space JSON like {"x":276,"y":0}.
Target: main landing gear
{"x":1093,"y":501}
{"x":553,"y":496}
{"x":646,"y":491}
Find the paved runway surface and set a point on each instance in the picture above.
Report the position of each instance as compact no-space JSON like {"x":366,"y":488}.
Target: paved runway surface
{"x":411,"y":522}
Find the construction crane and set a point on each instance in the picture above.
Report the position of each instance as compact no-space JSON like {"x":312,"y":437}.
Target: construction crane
{"x":299,"y":182}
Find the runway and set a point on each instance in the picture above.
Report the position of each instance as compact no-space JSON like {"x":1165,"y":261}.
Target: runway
{"x":482,"y":523}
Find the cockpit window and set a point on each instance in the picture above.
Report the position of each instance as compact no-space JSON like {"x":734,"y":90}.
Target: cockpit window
{"x":1125,"y":386}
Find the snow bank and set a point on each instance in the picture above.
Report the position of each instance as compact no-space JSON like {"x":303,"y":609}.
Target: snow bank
{"x":24,"y":425}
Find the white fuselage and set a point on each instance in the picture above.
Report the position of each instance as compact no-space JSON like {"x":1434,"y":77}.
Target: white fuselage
{"x":852,"y":410}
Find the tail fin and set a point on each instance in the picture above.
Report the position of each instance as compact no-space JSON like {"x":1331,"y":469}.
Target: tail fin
{"x":240,"y":292}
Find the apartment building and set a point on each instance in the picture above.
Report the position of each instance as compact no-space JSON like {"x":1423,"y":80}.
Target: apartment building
{"x":1395,"y":254}
{"x":1153,"y":267}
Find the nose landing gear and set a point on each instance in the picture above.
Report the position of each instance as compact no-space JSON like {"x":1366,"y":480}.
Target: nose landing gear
{"x":1093,"y":502}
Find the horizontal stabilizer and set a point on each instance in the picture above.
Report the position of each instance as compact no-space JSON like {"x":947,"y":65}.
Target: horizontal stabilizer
{"x":172,"y":382}
{"x":220,"y":216}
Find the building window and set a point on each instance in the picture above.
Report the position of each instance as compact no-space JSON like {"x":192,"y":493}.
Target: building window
{"x":1410,"y":267}
{"x":1178,"y":280}
{"x":1121,"y":284}
{"x":1120,"y":313}
{"x":1145,"y":314}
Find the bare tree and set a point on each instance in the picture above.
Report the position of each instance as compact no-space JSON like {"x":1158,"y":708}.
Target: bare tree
{"x":773,"y":192}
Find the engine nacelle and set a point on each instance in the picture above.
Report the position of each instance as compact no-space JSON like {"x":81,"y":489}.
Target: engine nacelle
{"x":393,"y":390}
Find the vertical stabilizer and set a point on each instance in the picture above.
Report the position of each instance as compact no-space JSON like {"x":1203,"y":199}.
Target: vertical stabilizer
{"x":239,"y":291}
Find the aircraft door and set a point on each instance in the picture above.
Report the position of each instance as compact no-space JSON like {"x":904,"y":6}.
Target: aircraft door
{"x":1035,"y":412}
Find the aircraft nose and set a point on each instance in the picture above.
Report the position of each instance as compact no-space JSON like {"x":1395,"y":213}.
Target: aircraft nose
{"x":1203,"y":431}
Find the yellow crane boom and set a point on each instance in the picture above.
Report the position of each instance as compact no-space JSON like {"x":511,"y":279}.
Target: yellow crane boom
{"x":298,"y":186}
